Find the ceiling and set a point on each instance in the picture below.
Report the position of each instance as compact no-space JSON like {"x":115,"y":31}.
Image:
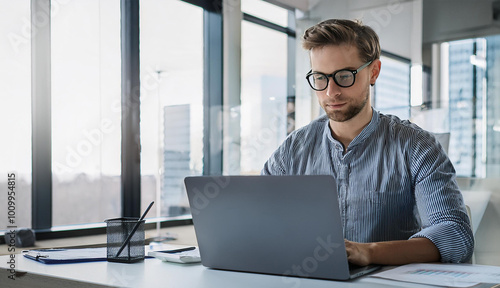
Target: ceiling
{"x":303,"y":5}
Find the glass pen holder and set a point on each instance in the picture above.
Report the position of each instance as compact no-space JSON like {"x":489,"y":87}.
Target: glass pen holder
{"x":117,"y":231}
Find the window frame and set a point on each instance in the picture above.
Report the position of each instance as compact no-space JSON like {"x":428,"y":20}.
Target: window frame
{"x":130,"y":175}
{"x":41,"y":192}
{"x":402,"y":60}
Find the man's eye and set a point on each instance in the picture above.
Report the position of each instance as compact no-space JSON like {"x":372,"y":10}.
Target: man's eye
{"x":343,"y":76}
{"x":319,"y":77}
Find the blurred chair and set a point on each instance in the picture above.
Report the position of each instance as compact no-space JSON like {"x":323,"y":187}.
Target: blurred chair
{"x":444,"y":140}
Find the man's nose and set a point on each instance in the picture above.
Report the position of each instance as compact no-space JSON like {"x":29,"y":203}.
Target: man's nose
{"x":332,"y":89}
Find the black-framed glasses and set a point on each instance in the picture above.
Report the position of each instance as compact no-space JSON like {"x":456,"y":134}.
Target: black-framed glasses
{"x":343,"y":78}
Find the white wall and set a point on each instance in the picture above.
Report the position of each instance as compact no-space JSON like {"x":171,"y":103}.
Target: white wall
{"x":446,"y":20}
{"x":392,"y":20}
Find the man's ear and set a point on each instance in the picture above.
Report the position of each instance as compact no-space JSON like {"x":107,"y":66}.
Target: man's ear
{"x":375,"y":71}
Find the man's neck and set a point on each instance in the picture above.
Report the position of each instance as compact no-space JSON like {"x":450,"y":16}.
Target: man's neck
{"x":346,"y":131}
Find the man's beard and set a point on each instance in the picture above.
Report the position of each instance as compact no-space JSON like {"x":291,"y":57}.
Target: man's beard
{"x":352,"y":110}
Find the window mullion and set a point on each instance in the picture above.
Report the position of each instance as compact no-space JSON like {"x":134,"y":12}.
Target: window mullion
{"x":41,"y":116}
{"x":212,"y":106}
{"x":131,"y":157}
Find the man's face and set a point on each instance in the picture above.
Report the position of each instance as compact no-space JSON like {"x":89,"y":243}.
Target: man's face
{"x":342,"y":104}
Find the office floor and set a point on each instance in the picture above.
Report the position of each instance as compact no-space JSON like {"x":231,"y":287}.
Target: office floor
{"x":185,"y":235}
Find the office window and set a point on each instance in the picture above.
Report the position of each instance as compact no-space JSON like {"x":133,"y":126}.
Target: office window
{"x":15,"y":115}
{"x":491,"y":124}
{"x":265,"y":11}
{"x":263,"y":94}
{"x":84,"y":41}
{"x":473,"y":106}
{"x":171,"y":39}
{"x":392,"y":90}
{"x":86,"y":111}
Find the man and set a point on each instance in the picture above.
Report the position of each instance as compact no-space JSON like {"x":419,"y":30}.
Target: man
{"x":398,"y":196}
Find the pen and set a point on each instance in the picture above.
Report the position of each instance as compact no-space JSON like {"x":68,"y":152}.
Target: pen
{"x":179,"y":250}
{"x":134,"y":229}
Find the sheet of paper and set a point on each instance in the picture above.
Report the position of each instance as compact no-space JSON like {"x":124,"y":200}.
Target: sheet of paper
{"x":450,"y":275}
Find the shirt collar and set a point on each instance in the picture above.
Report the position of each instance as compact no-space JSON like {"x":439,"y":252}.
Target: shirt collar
{"x":365,"y":133}
{"x":368,"y":130}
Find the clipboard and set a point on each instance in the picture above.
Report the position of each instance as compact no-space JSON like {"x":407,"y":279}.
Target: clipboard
{"x":78,"y":255}
{"x":63,"y":256}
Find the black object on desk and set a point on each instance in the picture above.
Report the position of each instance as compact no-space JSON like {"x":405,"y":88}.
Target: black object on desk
{"x":22,"y":237}
{"x":126,"y":233}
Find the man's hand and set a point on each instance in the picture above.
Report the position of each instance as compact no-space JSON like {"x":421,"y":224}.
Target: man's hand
{"x":358,"y":253}
{"x":416,"y":250}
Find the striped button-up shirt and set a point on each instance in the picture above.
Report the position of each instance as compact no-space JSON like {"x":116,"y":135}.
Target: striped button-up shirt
{"x":394,"y":180}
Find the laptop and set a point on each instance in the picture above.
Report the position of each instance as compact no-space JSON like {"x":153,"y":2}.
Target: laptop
{"x":282,"y":225}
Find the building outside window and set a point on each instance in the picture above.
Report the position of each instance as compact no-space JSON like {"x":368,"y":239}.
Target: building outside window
{"x":492,"y":103}
{"x":471,"y":106}
{"x":467,"y":87}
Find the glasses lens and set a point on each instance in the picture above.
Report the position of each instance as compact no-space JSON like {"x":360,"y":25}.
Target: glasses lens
{"x":318,"y":81}
{"x":344,"y":78}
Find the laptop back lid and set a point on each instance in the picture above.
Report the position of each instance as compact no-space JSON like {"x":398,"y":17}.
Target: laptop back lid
{"x":285,"y":225}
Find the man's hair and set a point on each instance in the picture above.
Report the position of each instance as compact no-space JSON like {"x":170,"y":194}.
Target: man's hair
{"x":339,"y":31}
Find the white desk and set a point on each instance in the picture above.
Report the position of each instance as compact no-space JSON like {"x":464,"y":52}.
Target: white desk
{"x":155,"y":273}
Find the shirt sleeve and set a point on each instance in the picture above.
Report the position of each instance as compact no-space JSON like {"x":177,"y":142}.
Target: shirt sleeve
{"x":275,"y":165}
{"x":440,"y":204}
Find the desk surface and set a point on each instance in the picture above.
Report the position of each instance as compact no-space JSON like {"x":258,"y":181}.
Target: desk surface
{"x":155,"y":273}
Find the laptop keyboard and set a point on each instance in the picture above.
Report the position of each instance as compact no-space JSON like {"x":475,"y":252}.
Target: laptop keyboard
{"x":354,"y":266}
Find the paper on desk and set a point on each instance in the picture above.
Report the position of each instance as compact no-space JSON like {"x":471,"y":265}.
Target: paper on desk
{"x":450,"y":275}
{"x":59,"y":256}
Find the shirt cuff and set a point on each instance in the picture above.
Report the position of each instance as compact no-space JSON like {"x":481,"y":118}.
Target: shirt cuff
{"x":455,"y":242}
